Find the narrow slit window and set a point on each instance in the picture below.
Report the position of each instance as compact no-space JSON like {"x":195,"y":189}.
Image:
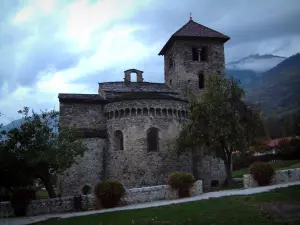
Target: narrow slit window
{"x":153,"y":139}
{"x":201,"y":81}
{"x":118,"y":140}
{"x":204,"y":54}
{"x":195,"y":54}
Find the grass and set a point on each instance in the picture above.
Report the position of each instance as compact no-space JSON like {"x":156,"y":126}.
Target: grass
{"x":233,"y":210}
{"x":278,"y":165}
{"x":42,"y":194}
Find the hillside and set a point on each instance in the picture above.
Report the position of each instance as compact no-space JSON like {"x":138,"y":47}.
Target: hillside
{"x":256,"y":63}
{"x":249,"y":69}
{"x":278,"y":88}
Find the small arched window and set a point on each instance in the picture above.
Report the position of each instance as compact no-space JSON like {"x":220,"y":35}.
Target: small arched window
{"x":153,"y":139}
{"x":118,"y":140}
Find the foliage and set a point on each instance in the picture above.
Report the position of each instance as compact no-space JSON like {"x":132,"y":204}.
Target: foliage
{"x":262,"y":172}
{"x":289,"y":145}
{"x":286,"y":125}
{"x":109,"y":192}
{"x":284,"y":145}
{"x":261,"y":148}
{"x":40,"y":148}
{"x":220,"y":122}
{"x":182,"y":182}
{"x":21,"y":199}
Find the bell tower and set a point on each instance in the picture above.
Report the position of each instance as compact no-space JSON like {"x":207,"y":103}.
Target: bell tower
{"x":190,"y":55}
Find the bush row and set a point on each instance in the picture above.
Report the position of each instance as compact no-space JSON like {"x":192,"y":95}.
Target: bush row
{"x":107,"y":192}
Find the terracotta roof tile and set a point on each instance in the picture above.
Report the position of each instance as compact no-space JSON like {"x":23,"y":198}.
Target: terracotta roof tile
{"x":134,"y":87}
{"x":79,"y":97}
{"x":194,"y":30}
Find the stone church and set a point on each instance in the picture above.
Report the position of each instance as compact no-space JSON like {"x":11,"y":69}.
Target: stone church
{"x":130,"y":127}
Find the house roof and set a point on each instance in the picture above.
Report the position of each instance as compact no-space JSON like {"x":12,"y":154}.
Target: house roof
{"x":194,"y":30}
{"x":135,"y":87}
{"x":65,"y":97}
{"x":124,"y":91}
{"x":276,"y":142}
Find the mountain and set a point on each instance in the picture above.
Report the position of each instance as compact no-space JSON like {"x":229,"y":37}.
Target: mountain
{"x":53,"y":122}
{"x":249,"y":69}
{"x":256,"y":63}
{"x":13,"y":124}
{"x":278,"y":88}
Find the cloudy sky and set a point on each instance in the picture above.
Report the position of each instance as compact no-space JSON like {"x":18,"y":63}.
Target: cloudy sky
{"x":59,"y":46}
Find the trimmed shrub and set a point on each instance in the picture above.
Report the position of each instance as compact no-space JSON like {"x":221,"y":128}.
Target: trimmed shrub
{"x":109,"y":192}
{"x":21,"y":199}
{"x":262,"y":172}
{"x":182,"y":182}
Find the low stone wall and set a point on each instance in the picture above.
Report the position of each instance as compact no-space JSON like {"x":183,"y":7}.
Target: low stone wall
{"x":132,"y":196}
{"x":155,"y":193}
{"x":281,"y":176}
{"x":6,"y":209}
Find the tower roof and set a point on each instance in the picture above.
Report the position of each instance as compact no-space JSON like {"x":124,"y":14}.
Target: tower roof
{"x":194,"y":30}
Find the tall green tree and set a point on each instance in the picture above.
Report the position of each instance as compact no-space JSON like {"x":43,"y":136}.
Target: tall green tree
{"x":220,"y":122}
{"x":42,"y":147}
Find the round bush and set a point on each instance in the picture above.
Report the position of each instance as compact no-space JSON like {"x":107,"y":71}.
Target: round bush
{"x":21,"y":199}
{"x":182,"y":182}
{"x":262,"y":172}
{"x":109,"y":192}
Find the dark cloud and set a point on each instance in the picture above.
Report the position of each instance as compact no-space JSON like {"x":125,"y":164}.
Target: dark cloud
{"x":244,"y":21}
{"x":248,"y":23}
{"x":152,"y":67}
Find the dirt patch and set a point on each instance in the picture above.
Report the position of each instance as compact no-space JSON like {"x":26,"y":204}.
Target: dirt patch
{"x":282,"y":211}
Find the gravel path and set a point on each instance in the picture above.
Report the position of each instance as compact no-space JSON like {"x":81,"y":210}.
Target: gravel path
{"x":34,"y":219}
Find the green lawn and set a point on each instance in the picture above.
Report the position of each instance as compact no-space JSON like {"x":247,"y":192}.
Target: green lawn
{"x":278,"y":165}
{"x":276,"y":207}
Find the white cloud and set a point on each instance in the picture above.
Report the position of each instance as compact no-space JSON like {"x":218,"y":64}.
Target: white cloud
{"x":82,"y":27}
{"x":116,"y":48}
{"x":32,"y":9}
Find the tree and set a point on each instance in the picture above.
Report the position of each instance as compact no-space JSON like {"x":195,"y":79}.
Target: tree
{"x":42,"y":146}
{"x":220,"y":122}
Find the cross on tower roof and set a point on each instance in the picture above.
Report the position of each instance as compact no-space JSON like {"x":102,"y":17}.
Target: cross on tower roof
{"x":191,"y":18}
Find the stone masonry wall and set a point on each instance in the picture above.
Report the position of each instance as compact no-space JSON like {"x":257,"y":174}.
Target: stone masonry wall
{"x":132,"y":196}
{"x":135,"y":166}
{"x":282,"y":176}
{"x":212,"y":169}
{"x":87,"y":171}
{"x":184,"y":72}
{"x":88,"y":116}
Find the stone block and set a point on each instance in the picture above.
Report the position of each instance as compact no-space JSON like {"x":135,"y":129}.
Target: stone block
{"x":281,"y":176}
